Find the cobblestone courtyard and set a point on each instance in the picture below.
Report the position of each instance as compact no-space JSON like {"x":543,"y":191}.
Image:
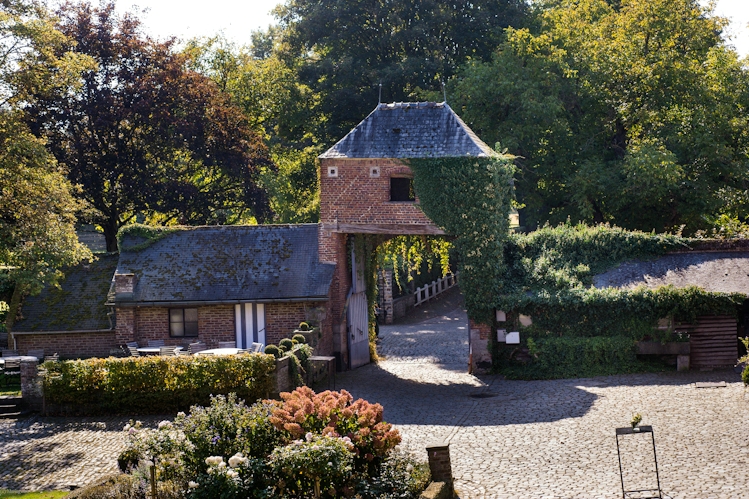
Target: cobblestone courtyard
{"x":508,"y":439}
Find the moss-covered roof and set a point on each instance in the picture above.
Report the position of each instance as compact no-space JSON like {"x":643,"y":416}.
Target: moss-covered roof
{"x":77,"y":305}
{"x":723,"y":272}
{"x":218,"y":263}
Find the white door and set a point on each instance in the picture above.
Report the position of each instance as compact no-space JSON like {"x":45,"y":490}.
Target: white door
{"x":249,"y":320}
{"x":358,"y":315}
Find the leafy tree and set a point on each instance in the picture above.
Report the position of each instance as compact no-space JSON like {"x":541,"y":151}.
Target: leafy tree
{"x":279,"y":108}
{"x":37,"y":205}
{"x":631,"y":112}
{"x":349,"y":48}
{"x":146,"y":135}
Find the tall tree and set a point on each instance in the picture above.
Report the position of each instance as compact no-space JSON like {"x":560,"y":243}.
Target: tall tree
{"x":146,"y":135}
{"x":631,"y":112}
{"x":37,"y":205}
{"x":278,"y":107}
{"x":349,"y":48}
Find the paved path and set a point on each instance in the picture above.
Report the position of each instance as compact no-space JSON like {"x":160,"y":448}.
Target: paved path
{"x":555,"y":439}
{"x":508,"y":439}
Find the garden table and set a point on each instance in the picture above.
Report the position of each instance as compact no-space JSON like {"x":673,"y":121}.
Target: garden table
{"x":221,"y":351}
{"x":155,"y":350}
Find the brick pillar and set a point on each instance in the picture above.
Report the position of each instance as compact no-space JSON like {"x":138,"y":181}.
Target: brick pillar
{"x":31,"y":385}
{"x":439,"y":464}
{"x":387,"y":295}
{"x":125,"y":330}
{"x":332,"y":249}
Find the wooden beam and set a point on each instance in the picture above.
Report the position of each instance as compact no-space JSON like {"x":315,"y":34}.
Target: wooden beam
{"x":396,"y":229}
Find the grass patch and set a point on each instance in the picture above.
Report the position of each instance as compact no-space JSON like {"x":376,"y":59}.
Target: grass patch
{"x":46,"y":494}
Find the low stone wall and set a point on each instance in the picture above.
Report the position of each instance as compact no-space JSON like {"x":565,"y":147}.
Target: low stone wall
{"x":402,"y":305}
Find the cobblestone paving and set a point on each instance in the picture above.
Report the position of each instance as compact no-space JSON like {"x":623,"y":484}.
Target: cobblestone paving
{"x":555,"y":439}
{"x":508,"y":439}
{"x":38,"y":453}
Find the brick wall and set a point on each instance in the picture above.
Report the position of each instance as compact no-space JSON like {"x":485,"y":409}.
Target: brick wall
{"x":69,"y":345}
{"x":355,"y":197}
{"x":281,"y":319}
{"x":215,"y":323}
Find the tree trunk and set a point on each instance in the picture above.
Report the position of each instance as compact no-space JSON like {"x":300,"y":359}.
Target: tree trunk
{"x":110,"y":234}
{"x":15,"y":303}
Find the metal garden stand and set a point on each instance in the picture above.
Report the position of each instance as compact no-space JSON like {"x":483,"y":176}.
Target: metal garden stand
{"x":641,"y":493}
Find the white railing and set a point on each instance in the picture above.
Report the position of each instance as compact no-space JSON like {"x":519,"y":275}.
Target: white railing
{"x":433,"y":289}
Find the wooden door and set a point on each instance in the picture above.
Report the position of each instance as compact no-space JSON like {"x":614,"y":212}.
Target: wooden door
{"x":249,"y":324}
{"x":358,"y":314}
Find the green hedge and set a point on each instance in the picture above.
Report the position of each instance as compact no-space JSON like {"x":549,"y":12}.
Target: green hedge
{"x":155,"y":385}
{"x":572,"y":357}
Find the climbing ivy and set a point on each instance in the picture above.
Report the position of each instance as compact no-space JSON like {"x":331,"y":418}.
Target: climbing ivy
{"x":470,"y":198}
{"x":148,"y":234}
{"x":408,"y":255}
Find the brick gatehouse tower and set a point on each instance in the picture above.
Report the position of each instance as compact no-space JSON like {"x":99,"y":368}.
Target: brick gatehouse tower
{"x":366,"y":187}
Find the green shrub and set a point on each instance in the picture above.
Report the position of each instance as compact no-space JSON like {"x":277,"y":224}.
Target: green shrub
{"x":399,"y":475}
{"x":318,"y":466}
{"x":128,"y":459}
{"x":273,"y":350}
{"x":155,"y":385}
{"x":243,"y":478}
{"x":299,"y":338}
{"x":227,"y":427}
{"x":571,"y":357}
{"x":303,"y":326}
{"x":285,"y":344}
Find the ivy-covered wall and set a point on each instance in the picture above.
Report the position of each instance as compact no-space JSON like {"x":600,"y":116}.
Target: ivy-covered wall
{"x":577,"y":329}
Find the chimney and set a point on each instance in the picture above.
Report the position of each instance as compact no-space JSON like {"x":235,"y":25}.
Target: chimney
{"x":124,"y":287}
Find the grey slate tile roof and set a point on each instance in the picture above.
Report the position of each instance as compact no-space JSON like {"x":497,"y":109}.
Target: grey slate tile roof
{"x":225,"y":263}
{"x":79,"y":303}
{"x":410,"y":130}
{"x":726,"y":272}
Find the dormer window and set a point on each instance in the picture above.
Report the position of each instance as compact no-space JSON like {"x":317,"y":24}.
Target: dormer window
{"x":402,"y":189}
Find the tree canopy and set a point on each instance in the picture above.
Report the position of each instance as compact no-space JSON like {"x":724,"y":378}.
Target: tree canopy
{"x":147,"y":136}
{"x":630,"y":112}
{"x":37,"y":204}
{"x":348,"y":48}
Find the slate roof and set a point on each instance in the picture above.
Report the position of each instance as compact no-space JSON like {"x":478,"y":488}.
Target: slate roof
{"x":227,"y":263}
{"x":79,"y":303}
{"x":726,"y":272}
{"x":410,"y":130}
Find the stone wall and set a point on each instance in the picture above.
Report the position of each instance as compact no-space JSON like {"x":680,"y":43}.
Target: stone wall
{"x":69,"y":345}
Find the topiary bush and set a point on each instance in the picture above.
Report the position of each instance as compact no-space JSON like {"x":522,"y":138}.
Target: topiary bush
{"x":273,"y":350}
{"x":286,"y":344}
{"x":299,"y":338}
{"x":154,"y":385}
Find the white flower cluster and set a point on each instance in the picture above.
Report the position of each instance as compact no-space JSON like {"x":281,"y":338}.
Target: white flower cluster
{"x":165,"y":424}
{"x":237,"y":460}
{"x":217,"y":465}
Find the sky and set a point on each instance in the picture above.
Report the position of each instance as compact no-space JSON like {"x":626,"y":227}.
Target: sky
{"x":236,"y":19}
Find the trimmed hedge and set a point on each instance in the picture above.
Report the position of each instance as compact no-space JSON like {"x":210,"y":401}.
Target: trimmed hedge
{"x":155,"y":385}
{"x":573,"y":357}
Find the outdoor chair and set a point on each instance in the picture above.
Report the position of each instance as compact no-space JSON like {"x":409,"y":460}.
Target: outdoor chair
{"x":55,"y":357}
{"x":194,"y":348}
{"x":12,"y":371}
{"x":256,"y":347}
{"x":133,"y":352}
{"x":36,"y":352}
{"x":132,"y":344}
{"x":168,"y":351}
{"x":227,"y":344}
{"x":155,"y":343}
{"x":10,"y":353}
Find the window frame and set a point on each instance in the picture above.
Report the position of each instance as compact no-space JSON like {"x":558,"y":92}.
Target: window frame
{"x":184,"y":323}
{"x":411,"y":193}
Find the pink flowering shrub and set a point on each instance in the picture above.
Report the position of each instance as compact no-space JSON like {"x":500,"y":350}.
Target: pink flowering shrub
{"x":336,"y":414}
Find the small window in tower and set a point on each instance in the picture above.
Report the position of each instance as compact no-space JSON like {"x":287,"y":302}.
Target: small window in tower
{"x":332,"y":171}
{"x":402,"y":189}
{"x":374,"y":172}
